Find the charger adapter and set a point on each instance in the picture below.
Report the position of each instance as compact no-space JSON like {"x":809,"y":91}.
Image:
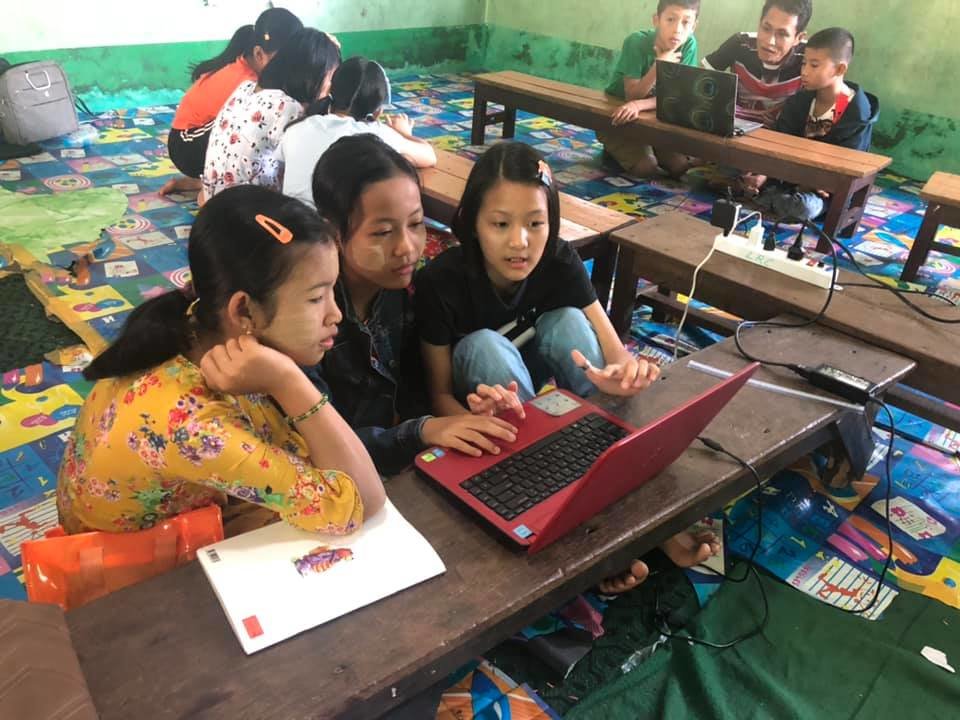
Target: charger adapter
{"x":837,"y":382}
{"x":725,"y":215}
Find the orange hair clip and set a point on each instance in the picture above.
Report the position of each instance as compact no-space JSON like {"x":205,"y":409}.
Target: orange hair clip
{"x":544,"y":174}
{"x":280,"y":232}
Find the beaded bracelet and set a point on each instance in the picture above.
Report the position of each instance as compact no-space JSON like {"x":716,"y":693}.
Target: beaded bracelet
{"x":309,"y":413}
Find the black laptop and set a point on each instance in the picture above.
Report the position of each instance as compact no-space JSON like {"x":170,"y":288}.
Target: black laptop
{"x":700,"y":99}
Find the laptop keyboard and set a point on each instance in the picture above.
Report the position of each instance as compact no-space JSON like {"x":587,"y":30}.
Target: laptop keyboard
{"x":532,"y":475}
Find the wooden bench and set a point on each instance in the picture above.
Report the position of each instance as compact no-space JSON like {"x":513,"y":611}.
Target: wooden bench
{"x":846,"y":174}
{"x":666,"y":249}
{"x":583,"y":224}
{"x":366,"y":663}
{"x":942,"y":193}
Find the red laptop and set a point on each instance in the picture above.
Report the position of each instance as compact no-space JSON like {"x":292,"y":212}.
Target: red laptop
{"x":571,"y":459}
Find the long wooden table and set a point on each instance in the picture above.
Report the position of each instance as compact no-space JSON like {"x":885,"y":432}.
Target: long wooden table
{"x":585,"y":225}
{"x":163,"y":649}
{"x":846,"y":174}
{"x":666,"y":249}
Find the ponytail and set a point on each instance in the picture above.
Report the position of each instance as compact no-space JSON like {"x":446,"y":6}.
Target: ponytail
{"x":360,"y":88}
{"x":153,"y":333}
{"x":240,"y":44}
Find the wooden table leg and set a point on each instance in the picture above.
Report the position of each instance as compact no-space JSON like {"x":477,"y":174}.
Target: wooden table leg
{"x":659,"y":313}
{"x":838,"y":206}
{"x":478,"y":130}
{"x":923,"y":243}
{"x":604,"y":262}
{"x":509,"y":122}
{"x":858,"y":203}
{"x":624,"y":291}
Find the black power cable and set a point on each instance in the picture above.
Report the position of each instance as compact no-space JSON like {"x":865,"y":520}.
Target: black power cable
{"x":750,"y":566}
{"x":889,"y":473}
{"x":806,"y":323}
{"x":877,"y":284}
{"x":884,"y":286}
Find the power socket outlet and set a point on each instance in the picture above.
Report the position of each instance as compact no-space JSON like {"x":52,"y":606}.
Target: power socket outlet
{"x":809,"y":270}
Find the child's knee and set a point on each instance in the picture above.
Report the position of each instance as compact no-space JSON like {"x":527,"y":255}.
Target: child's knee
{"x":676,"y":164}
{"x":565,"y":329}
{"x":480,"y":344}
{"x":635,"y":159}
{"x":484,"y":357}
{"x":643,"y":167}
{"x":561,"y":321}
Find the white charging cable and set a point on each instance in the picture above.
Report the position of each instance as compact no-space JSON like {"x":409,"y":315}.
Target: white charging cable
{"x":693,"y":286}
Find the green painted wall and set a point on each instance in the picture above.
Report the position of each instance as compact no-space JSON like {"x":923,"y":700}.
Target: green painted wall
{"x":124,"y":75}
{"x":142,"y":54}
{"x":44,"y":24}
{"x":907,"y":55}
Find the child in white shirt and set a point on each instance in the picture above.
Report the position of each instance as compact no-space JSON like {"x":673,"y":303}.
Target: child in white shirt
{"x":358,"y":92}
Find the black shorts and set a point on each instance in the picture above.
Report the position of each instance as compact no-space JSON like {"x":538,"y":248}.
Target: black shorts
{"x":188,"y":149}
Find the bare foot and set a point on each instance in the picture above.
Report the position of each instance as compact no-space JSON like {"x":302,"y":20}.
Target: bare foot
{"x":181,"y":184}
{"x":626,"y":580}
{"x":687,"y":550}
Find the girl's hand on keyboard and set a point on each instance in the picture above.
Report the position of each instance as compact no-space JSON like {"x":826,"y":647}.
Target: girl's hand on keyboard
{"x":625,"y":378}
{"x":470,"y":434}
{"x":494,"y":399}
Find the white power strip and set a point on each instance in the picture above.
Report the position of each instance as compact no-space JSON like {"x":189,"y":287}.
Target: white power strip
{"x":810,"y":270}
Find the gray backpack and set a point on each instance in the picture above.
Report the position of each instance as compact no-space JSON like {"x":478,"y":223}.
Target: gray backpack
{"x":35,"y":103}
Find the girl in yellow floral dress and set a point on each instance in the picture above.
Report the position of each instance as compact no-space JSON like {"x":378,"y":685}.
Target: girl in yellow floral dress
{"x":202,"y":396}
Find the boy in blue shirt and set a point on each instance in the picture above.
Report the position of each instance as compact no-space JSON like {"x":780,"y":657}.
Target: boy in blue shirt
{"x":829,"y":109}
{"x":634,"y":80}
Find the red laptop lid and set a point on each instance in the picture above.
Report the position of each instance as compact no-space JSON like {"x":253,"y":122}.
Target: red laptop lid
{"x":638,"y":458}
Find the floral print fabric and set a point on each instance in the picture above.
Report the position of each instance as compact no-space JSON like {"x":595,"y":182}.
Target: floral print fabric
{"x":148,"y":447}
{"x":245,"y":139}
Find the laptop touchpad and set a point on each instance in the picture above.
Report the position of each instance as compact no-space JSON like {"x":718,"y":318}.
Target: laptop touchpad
{"x":555,"y":403}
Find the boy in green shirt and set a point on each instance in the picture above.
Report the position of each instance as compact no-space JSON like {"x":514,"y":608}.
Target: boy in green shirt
{"x":635,"y":78}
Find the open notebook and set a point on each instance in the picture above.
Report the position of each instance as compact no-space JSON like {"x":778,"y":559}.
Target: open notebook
{"x":278,"y":581}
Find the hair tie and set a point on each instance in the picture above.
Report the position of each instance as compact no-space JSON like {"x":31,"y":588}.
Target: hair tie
{"x":191,"y":308}
{"x":544,"y":174}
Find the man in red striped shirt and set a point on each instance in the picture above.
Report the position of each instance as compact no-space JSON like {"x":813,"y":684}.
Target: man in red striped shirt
{"x":768,"y":65}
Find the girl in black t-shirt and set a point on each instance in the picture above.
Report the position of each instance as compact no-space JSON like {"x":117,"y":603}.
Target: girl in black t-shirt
{"x":513,"y":305}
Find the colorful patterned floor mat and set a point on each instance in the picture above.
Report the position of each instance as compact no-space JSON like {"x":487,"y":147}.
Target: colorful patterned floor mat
{"x":142,"y":253}
{"x":91,"y":276}
{"x":38,"y":406}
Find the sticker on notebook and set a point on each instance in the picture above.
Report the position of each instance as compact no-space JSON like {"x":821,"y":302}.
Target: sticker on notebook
{"x":252,"y":626}
{"x":522,"y":532}
{"x":438,"y":453}
{"x":428,"y":457}
{"x":321,"y":559}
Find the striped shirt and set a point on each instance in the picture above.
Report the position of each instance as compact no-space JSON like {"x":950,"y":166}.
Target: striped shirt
{"x":763,"y":89}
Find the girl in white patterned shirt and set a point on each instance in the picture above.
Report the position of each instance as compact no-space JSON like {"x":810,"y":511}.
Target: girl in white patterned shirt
{"x":246,"y":135}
